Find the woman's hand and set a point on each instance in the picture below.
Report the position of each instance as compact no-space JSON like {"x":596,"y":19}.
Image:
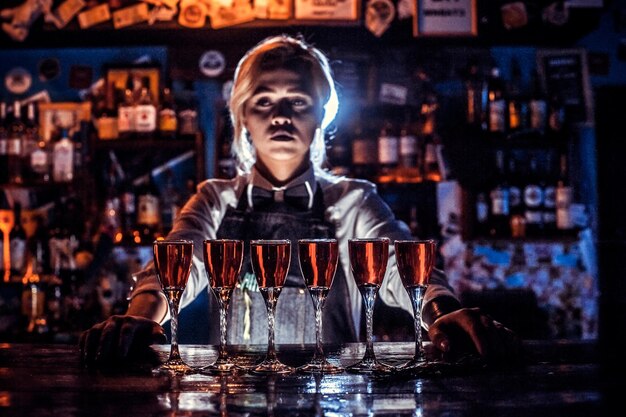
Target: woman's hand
{"x":117,"y":338}
{"x":469,"y":329}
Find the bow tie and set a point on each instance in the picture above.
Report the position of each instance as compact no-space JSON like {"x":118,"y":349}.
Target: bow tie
{"x":299,"y":196}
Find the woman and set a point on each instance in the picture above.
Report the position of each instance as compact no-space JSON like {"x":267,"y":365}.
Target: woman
{"x":283,"y":100}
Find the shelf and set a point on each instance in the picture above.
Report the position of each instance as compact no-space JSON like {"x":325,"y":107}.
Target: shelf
{"x":134,"y":144}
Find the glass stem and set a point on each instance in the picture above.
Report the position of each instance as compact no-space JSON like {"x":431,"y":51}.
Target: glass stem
{"x":318,"y":300}
{"x":369,"y":297}
{"x":271,"y":307}
{"x":223,"y":320}
{"x":417,"y":298}
{"x":174,"y":303}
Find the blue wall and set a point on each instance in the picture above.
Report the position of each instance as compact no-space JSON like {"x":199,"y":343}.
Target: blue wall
{"x":58,"y":88}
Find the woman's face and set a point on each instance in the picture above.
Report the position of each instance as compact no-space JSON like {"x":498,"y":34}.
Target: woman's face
{"x":281,"y":117}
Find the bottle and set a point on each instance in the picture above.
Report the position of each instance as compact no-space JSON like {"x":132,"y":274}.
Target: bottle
{"x":563,"y":200}
{"x":80,"y":141}
{"x":549,"y":197}
{"x":126,"y":114}
{"x":188,"y":113}
{"x":475,"y":96}
{"x":496,"y":120}
{"x":4,"y":144}
{"x":499,"y":221}
{"x":17,"y":239}
{"x":148,"y":212}
{"x":30,"y":141}
{"x":481,"y":227}
{"x":387,"y":153}
{"x":364,"y":153}
{"x":516,"y":200}
{"x":63,"y":159}
{"x":107,"y":115}
{"x":226,"y":162}
{"x":145,"y":112}
{"x":533,"y":200}
{"x":339,"y":157}
{"x":408,"y":170}
{"x":538,"y":106}
{"x":517,"y":104}
{"x":15,"y":143}
{"x":170,"y":202}
{"x":130,"y":234}
{"x":167,"y":118}
{"x":432,"y":168}
{"x":556,"y":115}
{"x":414,"y":225}
{"x":38,"y":245}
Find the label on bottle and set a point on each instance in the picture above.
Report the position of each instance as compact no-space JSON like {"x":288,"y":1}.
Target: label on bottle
{"x":168,"y":123}
{"x":18,"y":251}
{"x":564,"y":219}
{"x":363,"y":152}
{"x":515,"y":197}
{"x":14,"y":146}
{"x":145,"y":118}
{"x":128,"y":202}
{"x":549,"y":217}
{"x":387,"y":150}
{"x":408,"y":145}
{"x":126,"y":119}
{"x":188,"y":122}
{"x":538,"y":114}
{"x":4,"y":146}
{"x":148,"y":210}
{"x":496,"y":116}
{"x":515,"y":115}
{"x":533,"y":217}
{"x":63,"y":161}
{"x":482,"y":210}
{"x":549,"y":197}
{"x":39,"y":161}
{"x":533,"y":196}
{"x":107,"y":128}
{"x":500,"y":201}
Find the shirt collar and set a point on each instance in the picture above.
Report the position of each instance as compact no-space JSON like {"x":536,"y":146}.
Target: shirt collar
{"x":258,"y":180}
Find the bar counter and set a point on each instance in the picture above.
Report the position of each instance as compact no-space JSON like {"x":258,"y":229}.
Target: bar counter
{"x":560,"y":378}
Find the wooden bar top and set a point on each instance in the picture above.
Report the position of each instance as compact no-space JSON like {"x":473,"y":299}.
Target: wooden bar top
{"x":561,"y":378}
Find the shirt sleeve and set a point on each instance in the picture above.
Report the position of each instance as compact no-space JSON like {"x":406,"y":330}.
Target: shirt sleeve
{"x":376,"y":219}
{"x":199,"y":220}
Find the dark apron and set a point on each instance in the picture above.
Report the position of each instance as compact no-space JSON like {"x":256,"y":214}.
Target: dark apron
{"x":295,"y":319}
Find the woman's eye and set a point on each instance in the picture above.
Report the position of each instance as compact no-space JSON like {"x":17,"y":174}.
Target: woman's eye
{"x":299,"y":102}
{"x":263,"y":102}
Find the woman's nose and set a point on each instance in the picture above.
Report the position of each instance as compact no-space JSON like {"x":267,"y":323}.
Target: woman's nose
{"x":282,"y":114}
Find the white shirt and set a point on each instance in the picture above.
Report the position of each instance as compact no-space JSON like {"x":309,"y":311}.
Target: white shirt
{"x":352,"y":205}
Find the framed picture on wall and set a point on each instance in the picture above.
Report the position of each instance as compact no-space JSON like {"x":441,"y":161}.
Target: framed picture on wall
{"x":327,"y":10}
{"x":565,"y":77}
{"x":445,"y":18}
{"x":56,"y":116}
{"x":135,"y":78}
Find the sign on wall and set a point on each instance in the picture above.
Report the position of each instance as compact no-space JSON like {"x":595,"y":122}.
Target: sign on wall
{"x":445,"y":18}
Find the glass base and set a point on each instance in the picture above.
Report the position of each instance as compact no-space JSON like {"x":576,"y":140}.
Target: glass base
{"x":320,"y":367}
{"x":423,"y":367}
{"x":370,"y":366}
{"x":220,"y":367}
{"x":175,"y":366}
{"x":271,"y":367}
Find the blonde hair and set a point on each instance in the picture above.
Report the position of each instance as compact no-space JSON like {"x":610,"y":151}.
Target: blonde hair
{"x":281,"y":52}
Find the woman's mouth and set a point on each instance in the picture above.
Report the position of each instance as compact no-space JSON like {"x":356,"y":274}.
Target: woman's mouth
{"x":282,"y":137}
